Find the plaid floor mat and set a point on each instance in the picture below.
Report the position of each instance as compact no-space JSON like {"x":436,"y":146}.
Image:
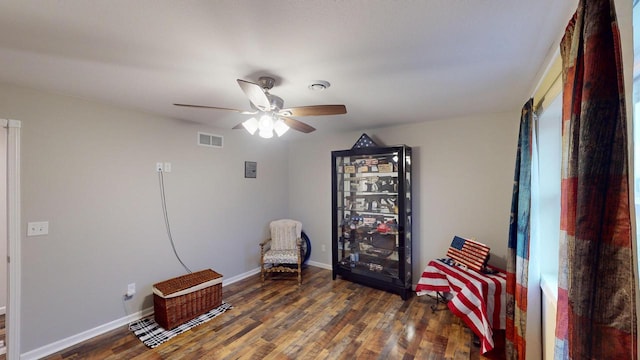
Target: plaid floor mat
{"x":152,"y":334}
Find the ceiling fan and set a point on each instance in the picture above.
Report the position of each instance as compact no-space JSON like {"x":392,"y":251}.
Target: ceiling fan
{"x":268,"y":111}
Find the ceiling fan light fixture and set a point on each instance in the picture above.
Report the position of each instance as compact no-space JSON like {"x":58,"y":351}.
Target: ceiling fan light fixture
{"x":265,"y":125}
{"x":280,"y":127}
{"x":268,"y":110}
{"x":267,"y":134}
{"x":251,"y":125}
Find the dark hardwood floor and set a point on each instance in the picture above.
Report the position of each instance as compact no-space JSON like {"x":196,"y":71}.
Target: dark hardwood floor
{"x":3,"y":334}
{"x":324,"y":319}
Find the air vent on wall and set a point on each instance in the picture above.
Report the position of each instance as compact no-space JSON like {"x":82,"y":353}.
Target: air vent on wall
{"x":210,"y":140}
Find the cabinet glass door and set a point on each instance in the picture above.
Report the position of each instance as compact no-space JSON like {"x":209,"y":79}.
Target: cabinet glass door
{"x":367,"y":214}
{"x":371,"y":202}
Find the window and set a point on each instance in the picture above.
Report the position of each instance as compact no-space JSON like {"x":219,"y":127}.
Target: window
{"x":636,"y":110}
{"x":546,"y":180}
{"x":549,"y":178}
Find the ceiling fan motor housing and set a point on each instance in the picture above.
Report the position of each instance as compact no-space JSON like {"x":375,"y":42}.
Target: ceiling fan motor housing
{"x":266,"y":82}
{"x":276,"y":103}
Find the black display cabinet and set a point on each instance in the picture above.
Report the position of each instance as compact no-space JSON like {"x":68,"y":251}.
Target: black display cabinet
{"x":371,"y":201}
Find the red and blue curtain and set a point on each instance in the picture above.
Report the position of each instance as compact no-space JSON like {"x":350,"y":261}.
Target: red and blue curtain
{"x":519,"y":239}
{"x":596,"y":317}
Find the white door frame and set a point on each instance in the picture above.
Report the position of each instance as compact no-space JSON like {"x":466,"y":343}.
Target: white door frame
{"x":12,"y":322}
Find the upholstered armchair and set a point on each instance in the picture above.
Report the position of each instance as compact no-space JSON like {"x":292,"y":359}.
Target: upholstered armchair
{"x":282,"y":251}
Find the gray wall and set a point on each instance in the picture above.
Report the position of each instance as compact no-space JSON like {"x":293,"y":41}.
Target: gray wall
{"x":88,"y":169}
{"x":462,"y":183}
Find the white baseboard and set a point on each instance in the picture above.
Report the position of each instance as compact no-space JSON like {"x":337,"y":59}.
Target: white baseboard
{"x":320,"y":265}
{"x":242,"y":276}
{"x":99,"y":330}
{"x":83,"y":336}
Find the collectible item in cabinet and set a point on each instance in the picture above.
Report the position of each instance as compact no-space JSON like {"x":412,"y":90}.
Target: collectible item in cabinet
{"x":371,"y":202}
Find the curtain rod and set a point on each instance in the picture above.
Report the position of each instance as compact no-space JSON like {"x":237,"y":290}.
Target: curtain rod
{"x":538,"y":108}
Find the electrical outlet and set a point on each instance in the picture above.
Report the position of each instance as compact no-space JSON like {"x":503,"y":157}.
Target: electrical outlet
{"x":37,"y":228}
{"x":131,"y":289}
{"x":159,"y":167}
{"x":167,"y":167}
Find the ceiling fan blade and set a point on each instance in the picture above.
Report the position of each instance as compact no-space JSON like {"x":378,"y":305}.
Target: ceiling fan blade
{"x":255,"y":94}
{"x":314,"y":110}
{"x":217,"y":108}
{"x":298,"y":125}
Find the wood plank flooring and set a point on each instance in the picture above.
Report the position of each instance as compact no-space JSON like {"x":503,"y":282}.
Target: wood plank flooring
{"x":3,"y":335}
{"x":323,"y":319}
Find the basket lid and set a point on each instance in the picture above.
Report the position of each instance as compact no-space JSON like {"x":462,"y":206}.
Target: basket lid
{"x":183,"y":282}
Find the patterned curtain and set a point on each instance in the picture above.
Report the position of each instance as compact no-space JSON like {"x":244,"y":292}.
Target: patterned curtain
{"x":596,"y":316}
{"x":519,"y":237}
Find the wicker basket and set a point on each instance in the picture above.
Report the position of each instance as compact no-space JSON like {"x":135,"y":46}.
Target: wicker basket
{"x":178,"y":300}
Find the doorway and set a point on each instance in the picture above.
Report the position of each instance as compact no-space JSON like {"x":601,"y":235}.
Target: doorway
{"x":3,"y":239}
{"x":10,"y":174}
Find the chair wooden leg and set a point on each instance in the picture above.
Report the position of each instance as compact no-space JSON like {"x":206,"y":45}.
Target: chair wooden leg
{"x":262,"y":263}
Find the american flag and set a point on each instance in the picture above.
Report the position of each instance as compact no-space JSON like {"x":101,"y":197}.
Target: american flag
{"x":478,"y":299}
{"x":468,"y":252}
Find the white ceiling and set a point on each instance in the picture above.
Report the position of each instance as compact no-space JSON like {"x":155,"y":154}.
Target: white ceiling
{"x":388,"y":61}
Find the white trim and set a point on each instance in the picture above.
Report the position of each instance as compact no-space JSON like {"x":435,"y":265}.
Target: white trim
{"x":13,"y":239}
{"x":3,"y":310}
{"x":99,"y":330}
{"x":239,"y":277}
{"x":13,"y":123}
{"x":320,"y":265}
{"x":84,"y":336}
{"x":552,"y":57}
{"x":9,"y":123}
